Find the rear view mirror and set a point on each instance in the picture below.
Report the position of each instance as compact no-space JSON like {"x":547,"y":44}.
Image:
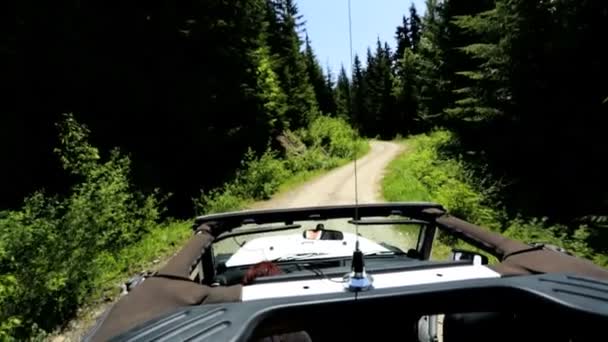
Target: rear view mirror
{"x":320,"y":233}
{"x":460,"y":254}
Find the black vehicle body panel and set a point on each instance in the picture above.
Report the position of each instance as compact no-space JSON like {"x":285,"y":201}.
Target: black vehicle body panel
{"x":562,"y":298}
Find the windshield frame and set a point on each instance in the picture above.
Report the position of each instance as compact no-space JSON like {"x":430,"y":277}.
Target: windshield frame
{"x":230,"y":224}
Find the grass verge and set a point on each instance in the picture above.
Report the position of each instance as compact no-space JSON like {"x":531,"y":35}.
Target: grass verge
{"x":424,"y":173}
{"x":149,"y":254}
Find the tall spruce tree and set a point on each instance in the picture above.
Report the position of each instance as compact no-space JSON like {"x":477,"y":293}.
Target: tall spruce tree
{"x":290,"y":63}
{"x":402,"y":36}
{"x":331,"y":96}
{"x":323,"y":93}
{"x":415,"y":28}
{"x":360,"y":94}
{"x":406,"y":93}
{"x":343,"y":95}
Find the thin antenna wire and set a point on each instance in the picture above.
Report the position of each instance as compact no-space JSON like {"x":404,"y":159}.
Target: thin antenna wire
{"x":350,"y":40}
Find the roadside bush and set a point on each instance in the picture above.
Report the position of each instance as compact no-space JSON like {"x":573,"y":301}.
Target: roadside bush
{"x":334,"y":136}
{"x":219,"y":200}
{"x":423,"y":173}
{"x":539,"y":230}
{"x":324,"y":145}
{"x":52,"y":249}
{"x":258,"y":179}
{"x":261,"y":176}
{"x":311,"y":159}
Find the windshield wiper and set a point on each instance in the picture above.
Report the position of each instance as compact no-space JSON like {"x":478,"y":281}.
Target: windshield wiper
{"x":300,"y":256}
{"x":304,"y":256}
{"x":379,"y":253}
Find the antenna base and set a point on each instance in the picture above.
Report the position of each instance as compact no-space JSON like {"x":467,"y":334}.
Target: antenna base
{"x":358,"y":282}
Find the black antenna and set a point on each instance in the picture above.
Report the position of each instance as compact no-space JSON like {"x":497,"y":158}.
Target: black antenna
{"x":357,"y":280}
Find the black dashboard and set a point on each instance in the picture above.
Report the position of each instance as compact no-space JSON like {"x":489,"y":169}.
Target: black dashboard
{"x":527,"y":308}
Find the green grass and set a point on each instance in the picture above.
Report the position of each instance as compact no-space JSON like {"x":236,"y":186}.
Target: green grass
{"x":160,"y":243}
{"x":424,"y":173}
{"x":149,"y":254}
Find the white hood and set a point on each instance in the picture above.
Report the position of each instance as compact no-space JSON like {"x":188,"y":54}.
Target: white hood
{"x":284,"y":246}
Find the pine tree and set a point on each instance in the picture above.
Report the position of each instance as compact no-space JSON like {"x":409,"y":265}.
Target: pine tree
{"x":274,"y":102}
{"x":476,"y":98}
{"x":360,"y":95}
{"x":415,"y":27}
{"x":290,"y":63}
{"x":329,"y":86}
{"x":323,"y":92}
{"x":406,"y":93}
{"x":434,"y":77}
{"x":379,"y":79}
{"x":369,"y":118}
{"x":402,"y":35}
{"x":343,"y":95}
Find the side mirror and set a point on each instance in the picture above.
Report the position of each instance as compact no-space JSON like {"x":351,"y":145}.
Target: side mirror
{"x":460,"y":254}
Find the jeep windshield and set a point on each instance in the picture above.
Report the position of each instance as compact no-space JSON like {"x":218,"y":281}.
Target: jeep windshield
{"x":315,"y":239}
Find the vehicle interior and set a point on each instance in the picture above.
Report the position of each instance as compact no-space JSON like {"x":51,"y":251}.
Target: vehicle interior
{"x":395,"y":258}
{"x":405,"y":254}
{"x":529,"y":308}
{"x":536,"y":304}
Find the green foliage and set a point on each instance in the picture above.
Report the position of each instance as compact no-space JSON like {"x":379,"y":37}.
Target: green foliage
{"x":258,"y":179}
{"x":321,"y":84}
{"x":55,"y":253}
{"x":162,"y":240}
{"x":415,"y":27}
{"x":333,"y":135}
{"x":424,"y":173}
{"x":270,"y":93}
{"x":343,"y":95}
{"x":263,"y":175}
{"x":290,"y":63}
{"x":377,"y":116}
{"x":325,"y":144}
{"x":406,"y":90}
{"x":403,"y":38}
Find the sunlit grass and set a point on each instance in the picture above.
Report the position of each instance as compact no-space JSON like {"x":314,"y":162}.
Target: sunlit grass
{"x":422,"y":173}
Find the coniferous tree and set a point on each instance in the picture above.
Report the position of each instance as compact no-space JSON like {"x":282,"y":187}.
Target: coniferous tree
{"x":434,"y":79}
{"x":360,"y":94}
{"x":290,"y":63}
{"x":402,"y":35}
{"x":323,"y":93}
{"x":415,"y":27}
{"x":343,"y":95}
{"x":272,"y":97}
{"x":373,"y":80}
{"x":331,"y":96}
{"x":379,"y":79}
{"x":406,"y":93}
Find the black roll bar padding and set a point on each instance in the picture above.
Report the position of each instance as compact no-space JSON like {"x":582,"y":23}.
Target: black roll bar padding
{"x":515,"y":256}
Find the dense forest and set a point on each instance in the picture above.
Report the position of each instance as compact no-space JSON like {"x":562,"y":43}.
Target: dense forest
{"x":522,"y":84}
{"x":209,"y":103}
{"x":186,"y":89}
{"x":167,"y":82}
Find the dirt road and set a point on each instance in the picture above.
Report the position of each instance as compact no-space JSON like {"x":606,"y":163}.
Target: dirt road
{"x":338,"y":186}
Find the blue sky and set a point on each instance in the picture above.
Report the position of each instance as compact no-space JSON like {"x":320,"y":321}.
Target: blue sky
{"x":327,"y":26}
